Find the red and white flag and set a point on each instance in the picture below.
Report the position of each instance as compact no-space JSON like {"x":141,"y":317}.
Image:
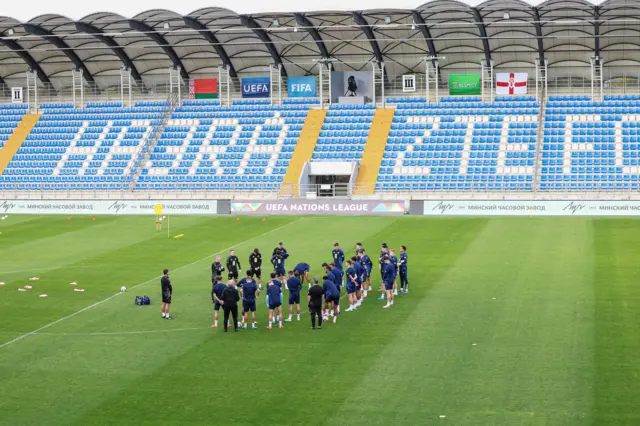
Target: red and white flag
{"x":514,"y":83}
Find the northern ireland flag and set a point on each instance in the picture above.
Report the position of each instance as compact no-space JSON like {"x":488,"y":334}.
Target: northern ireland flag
{"x":514,"y":83}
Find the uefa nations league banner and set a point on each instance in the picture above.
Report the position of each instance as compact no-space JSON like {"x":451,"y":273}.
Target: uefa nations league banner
{"x":301,"y":87}
{"x":464,"y":84}
{"x":256,"y":87}
{"x":319,"y":207}
{"x":108,"y":207}
{"x":530,"y":208}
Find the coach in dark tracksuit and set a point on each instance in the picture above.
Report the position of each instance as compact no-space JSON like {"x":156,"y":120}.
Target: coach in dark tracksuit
{"x":230,"y":297}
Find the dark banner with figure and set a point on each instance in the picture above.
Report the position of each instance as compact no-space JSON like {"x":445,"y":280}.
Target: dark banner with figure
{"x":327,"y":207}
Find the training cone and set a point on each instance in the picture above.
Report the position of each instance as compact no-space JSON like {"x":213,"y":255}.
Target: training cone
{"x":94,"y":218}
{"x":68,"y":218}
{"x":264,"y":219}
{"x":237,"y":219}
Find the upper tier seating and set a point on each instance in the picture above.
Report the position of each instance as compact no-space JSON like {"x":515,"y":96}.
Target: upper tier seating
{"x":344,"y":133}
{"x":10,"y":117}
{"x":94,"y":148}
{"x":243,"y":147}
{"x":461,"y":144}
{"x":591,"y":145}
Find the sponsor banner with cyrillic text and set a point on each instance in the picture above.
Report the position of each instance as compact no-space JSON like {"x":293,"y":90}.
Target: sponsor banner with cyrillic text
{"x":327,"y":207}
{"x":108,"y":207}
{"x":531,"y":208}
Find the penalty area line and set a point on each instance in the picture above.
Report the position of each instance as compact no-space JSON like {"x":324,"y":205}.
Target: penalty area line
{"x":44,"y":327}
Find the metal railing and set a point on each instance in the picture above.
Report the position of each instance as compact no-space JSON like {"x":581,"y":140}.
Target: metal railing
{"x":258,"y":192}
{"x":140,"y":163}
{"x":563,"y":81}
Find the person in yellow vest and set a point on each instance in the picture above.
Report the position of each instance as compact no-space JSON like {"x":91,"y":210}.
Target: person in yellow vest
{"x":157,"y":209}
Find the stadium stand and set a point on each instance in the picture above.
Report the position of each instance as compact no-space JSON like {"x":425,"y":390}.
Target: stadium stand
{"x":344,"y":133}
{"x":461,"y":144}
{"x":95,"y":148}
{"x":591,"y":145}
{"x":246,"y":146}
{"x":10,"y":116}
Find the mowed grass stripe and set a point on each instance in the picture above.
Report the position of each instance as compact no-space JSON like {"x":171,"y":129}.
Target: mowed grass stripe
{"x":617,"y":328}
{"x":159,"y":352}
{"x":153,"y":252}
{"x":532,"y":360}
{"x":295,"y":367}
{"x":59,"y":260}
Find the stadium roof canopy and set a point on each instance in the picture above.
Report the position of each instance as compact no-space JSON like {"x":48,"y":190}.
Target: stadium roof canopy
{"x":511,"y":33}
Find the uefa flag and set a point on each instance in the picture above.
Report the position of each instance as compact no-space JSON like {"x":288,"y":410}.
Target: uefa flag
{"x":511,"y":83}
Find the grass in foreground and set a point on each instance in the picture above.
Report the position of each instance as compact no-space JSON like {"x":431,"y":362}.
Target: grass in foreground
{"x":509,"y":322}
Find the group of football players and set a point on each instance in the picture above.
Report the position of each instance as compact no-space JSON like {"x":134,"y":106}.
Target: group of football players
{"x":323,"y":299}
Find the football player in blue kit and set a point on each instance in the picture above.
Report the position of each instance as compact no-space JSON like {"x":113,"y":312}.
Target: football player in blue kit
{"x":250,"y":292}
{"x":352,"y":286}
{"x":388,"y":277}
{"x":303,"y":271}
{"x":331,"y":297}
{"x":274,"y":291}
{"x":394,"y":261}
{"x":216,"y":297}
{"x":404,"y":270}
{"x":295,"y":286}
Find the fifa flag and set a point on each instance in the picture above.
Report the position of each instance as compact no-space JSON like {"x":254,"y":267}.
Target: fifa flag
{"x":206,"y":88}
{"x":514,"y":83}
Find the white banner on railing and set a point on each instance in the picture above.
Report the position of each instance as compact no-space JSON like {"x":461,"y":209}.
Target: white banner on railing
{"x":108,"y":207}
{"x":532,"y":208}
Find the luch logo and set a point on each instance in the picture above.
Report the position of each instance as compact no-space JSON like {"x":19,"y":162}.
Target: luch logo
{"x":574,"y":207}
{"x":118,"y":207}
{"x":443,"y":207}
{"x":6,"y":206}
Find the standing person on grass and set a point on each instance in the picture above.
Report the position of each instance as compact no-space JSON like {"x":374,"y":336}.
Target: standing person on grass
{"x":388,"y":278}
{"x":230,"y":297}
{"x":394,"y":262}
{"x":233,"y":265}
{"x":314,"y":299}
{"x":216,"y":269}
{"x":216,"y":297}
{"x":331,"y":298}
{"x":167,"y":291}
{"x":295,"y":286}
{"x":250,"y":292}
{"x":274,"y":292}
{"x":352,"y":287}
{"x":255,"y":265}
{"x":404,"y":271}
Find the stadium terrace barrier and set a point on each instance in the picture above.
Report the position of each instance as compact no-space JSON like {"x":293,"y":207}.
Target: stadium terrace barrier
{"x":525,"y":208}
{"x":317,"y":207}
{"x":114,"y":207}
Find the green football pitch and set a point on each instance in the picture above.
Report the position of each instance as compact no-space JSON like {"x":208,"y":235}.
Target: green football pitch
{"x":508,"y":322}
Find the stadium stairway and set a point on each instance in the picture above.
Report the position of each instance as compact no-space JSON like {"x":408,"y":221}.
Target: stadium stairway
{"x":373,"y":151}
{"x":16,"y":139}
{"x":305,"y":147}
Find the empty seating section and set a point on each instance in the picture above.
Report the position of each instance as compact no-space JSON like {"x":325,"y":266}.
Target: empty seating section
{"x":94,"y":148}
{"x":591,"y":145}
{"x":246,"y":146}
{"x":344,"y":133}
{"x":458,"y":144}
{"x":461,"y":144}
{"x":10,"y":116}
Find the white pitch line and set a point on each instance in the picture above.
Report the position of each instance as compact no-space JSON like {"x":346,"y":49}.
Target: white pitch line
{"x":121,"y":333}
{"x":138,"y":285}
